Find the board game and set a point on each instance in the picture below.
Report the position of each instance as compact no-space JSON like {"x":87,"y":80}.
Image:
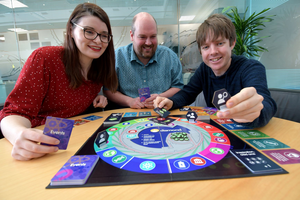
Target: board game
{"x":148,"y":150}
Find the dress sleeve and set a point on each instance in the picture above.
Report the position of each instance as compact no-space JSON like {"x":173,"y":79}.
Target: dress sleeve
{"x":31,"y":87}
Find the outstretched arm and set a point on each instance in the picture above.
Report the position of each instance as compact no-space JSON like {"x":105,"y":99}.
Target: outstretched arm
{"x":25,"y":140}
{"x":124,"y":100}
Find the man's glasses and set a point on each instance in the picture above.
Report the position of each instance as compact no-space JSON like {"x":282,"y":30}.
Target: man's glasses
{"x":90,"y":34}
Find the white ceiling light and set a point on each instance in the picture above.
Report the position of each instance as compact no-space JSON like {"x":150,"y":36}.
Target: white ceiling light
{"x":187,"y":18}
{"x":12,"y":3}
{"x":17,"y":29}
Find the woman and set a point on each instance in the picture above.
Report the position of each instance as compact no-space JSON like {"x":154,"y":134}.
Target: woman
{"x":60,"y":82}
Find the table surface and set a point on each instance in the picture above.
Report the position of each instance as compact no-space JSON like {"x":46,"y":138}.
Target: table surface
{"x":28,"y":179}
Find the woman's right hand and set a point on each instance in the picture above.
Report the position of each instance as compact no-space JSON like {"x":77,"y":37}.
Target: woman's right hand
{"x":27,"y":145}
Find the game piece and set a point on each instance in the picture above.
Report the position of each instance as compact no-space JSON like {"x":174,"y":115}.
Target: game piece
{"x":92,"y":117}
{"x":255,"y":161}
{"x":284,"y":156}
{"x":191,"y":116}
{"x":185,"y":109}
{"x":141,"y":114}
{"x":101,"y":139}
{"x":59,"y":128}
{"x":76,"y":171}
{"x":113,"y":118}
{"x":162,"y":112}
{"x":144,"y":93}
{"x":268,"y":143}
{"x":164,"y":121}
{"x":130,"y":114}
{"x":220,"y":98}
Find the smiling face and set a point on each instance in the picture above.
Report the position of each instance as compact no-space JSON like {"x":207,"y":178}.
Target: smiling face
{"x":217,"y":54}
{"x":89,"y":49}
{"x":144,"y":38}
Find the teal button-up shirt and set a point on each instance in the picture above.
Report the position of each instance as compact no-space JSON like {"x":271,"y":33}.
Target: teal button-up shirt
{"x":161,"y":73}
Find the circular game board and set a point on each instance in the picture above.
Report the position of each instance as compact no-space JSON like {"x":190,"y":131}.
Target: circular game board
{"x":144,"y":145}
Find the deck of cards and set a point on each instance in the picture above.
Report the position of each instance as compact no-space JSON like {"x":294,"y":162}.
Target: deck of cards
{"x":113,"y":118}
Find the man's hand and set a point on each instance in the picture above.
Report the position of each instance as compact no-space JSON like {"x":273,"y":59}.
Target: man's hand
{"x":163,"y":102}
{"x":243,"y":107}
{"x":135,"y":103}
{"x":149,"y":102}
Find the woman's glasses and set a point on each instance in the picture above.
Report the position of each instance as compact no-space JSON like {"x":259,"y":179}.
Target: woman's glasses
{"x":90,"y":34}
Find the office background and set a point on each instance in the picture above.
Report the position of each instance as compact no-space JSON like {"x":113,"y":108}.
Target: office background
{"x":26,"y":25}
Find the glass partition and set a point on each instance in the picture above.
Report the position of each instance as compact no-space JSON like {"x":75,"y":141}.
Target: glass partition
{"x":29,"y":24}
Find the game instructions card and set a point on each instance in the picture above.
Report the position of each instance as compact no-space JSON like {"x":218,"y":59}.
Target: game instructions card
{"x":255,"y":161}
{"x":59,"y":128}
{"x":144,"y":93}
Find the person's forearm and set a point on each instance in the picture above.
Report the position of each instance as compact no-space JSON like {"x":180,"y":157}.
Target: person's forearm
{"x":170,"y":92}
{"x":118,"y":98}
{"x":12,"y":125}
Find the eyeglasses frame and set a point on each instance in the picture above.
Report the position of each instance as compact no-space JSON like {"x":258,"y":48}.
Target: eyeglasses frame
{"x":98,"y":34}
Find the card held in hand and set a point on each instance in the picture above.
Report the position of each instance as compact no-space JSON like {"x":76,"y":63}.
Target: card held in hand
{"x":76,"y":170}
{"x":144,"y":93}
{"x":59,"y":128}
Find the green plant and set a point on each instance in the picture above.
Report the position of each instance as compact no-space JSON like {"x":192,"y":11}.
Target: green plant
{"x":247,"y":31}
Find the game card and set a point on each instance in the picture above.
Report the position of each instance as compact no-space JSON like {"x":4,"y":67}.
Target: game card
{"x":92,"y":117}
{"x":144,"y":93}
{"x":59,"y":128}
{"x":185,"y":109}
{"x":220,"y":98}
{"x":250,"y":134}
{"x":235,"y":126}
{"x":162,"y":112}
{"x":284,"y":156}
{"x":80,"y":122}
{"x":269,"y":143}
{"x":144,"y":114}
{"x":130,"y":114}
{"x":255,"y":161}
{"x":223,"y":121}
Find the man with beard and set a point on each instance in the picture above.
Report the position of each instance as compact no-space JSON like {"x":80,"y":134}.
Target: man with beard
{"x":144,"y":64}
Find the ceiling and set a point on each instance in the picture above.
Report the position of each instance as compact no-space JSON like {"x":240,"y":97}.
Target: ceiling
{"x":53,"y":14}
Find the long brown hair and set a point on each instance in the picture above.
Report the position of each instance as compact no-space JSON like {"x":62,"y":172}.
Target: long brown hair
{"x":103,"y":68}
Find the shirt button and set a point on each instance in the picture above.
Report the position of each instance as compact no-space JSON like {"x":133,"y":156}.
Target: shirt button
{"x":144,"y":81}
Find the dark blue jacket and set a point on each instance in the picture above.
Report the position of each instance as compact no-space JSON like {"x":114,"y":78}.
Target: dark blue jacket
{"x":243,"y":72}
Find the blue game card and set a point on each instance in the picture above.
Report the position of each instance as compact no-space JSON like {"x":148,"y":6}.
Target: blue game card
{"x":144,"y":114}
{"x":130,"y":114}
{"x":92,"y":117}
